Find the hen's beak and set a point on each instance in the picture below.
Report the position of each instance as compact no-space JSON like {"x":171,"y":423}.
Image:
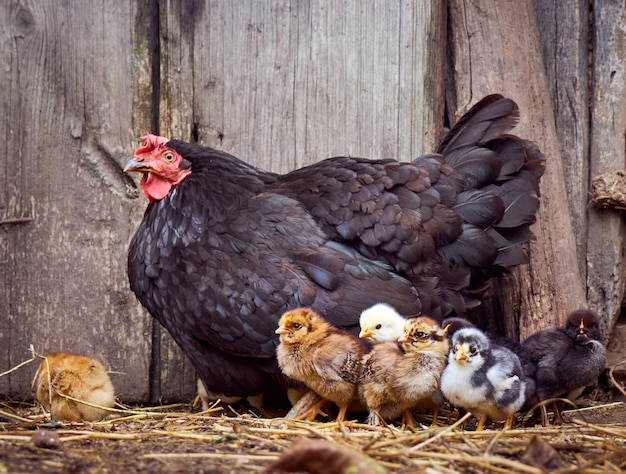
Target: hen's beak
{"x":281,"y":330}
{"x":136,"y":166}
{"x":460,"y":353}
{"x":364,"y":334}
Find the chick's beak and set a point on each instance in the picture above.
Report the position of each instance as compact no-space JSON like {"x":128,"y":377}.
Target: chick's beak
{"x":281,"y":330}
{"x":460,"y":353}
{"x":364,"y":334}
{"x":403,"y":338}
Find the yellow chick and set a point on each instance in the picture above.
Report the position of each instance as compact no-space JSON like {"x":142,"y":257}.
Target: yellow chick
{"x":326,"y":359}
{"x":400,"y":376}
{"x":79,"y":377}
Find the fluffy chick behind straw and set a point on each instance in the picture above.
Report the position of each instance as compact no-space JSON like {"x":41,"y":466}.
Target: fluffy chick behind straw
{"x":401,"y":376}
{"x":326,"y":359}
{"x":79,"y":377}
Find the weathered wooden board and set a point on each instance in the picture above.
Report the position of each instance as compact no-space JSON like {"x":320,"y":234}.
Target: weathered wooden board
{"x":284,"y":83}
{"x":496,"y":49}
{"x":564,"y":33}
{"x":587,"y":87}
{"x":67,"y":98}
{"x":606,"y":272}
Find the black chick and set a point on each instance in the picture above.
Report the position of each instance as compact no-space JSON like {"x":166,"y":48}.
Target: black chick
{"x":567,"y":359}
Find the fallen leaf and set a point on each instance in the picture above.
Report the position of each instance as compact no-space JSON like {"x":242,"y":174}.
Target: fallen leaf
{"x":323,"y":457}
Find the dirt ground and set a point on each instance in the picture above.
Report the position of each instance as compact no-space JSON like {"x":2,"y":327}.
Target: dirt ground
{"x":179,"y":439}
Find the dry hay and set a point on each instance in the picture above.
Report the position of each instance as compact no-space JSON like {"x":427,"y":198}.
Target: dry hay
{"x":173,"y":439}
{"x":609,"y":190}
{"x":163,"y":440}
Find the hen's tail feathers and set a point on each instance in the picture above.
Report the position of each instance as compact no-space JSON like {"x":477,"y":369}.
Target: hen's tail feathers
{"x":499,"y":175}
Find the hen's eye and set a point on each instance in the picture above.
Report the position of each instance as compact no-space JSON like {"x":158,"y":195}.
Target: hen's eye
{"x":169,"y":157}
{"x":297,"y":326}
{"x":378,"y":326}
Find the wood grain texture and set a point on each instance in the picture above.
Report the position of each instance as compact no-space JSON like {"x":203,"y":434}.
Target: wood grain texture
{"x":67,"y":101}
{"x":606,"y":272}
{"x":496,"y":49}
{"x":286,"y":83}
{"x":564,"y":33}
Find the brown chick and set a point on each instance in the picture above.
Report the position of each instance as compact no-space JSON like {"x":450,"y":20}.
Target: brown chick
{"x":326,"y":359}
{"x":76,"y":376}
{"x":401,"y":376}
{"x":568,"y":359}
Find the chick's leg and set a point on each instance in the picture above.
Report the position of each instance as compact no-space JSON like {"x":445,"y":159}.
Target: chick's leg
{"x":435,"y":416}
{"x":307,"y":403}
{"x":341,"y":416}
{"x":508,"y":423}
{"x":408,"y":420}
{"x":558,"y":419}
{"x":545,"y":420}
{"x":482,"y":418}
{"x":311,"y":413}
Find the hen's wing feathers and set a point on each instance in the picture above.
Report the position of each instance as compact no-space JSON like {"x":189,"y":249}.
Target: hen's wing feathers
{"x":470,"y":205}
{"x":493,"y":116}
{"x":270,"y":257}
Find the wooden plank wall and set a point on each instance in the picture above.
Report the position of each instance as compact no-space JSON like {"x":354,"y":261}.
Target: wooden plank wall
{"x":67,"y":102}
{"x":279,"y":83}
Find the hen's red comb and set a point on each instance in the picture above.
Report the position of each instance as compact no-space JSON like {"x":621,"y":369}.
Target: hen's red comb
{"x":151,"y":142}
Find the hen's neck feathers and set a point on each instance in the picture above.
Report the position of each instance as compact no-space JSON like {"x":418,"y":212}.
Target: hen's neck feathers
{"x":215,"y":163}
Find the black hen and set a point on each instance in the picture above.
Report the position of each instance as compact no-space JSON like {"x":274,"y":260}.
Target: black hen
{"x":224,"y":248}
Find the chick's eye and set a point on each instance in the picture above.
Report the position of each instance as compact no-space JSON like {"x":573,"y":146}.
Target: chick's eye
{"x":169,"y":157}
{"x":297,"y":326}
{"x":421,"y":335}
{"x":473,"y":350}
{"x":378,"y":326}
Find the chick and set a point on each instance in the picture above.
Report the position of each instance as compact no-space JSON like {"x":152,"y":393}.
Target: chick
{"x":483,"y":378}
{"x":79,"y":377}
{"x":453,"y":324}
{"x":381,"y":323}
{"x":567,"y":359}
{"x":326,"y":359}
{"x":401,"y":376}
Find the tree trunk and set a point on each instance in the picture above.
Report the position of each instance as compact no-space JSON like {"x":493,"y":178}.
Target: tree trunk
{"x":495,"y":48}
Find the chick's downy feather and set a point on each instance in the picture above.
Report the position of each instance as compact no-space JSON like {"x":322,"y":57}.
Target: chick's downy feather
{"x":80,"y":377}
{"x":400,"y":376}
{"x":324,"y":358}
{"x":381,"y":323}
{"x":225,"y":248}
{"x":567,"y":359}
{"x":483,"y":378}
